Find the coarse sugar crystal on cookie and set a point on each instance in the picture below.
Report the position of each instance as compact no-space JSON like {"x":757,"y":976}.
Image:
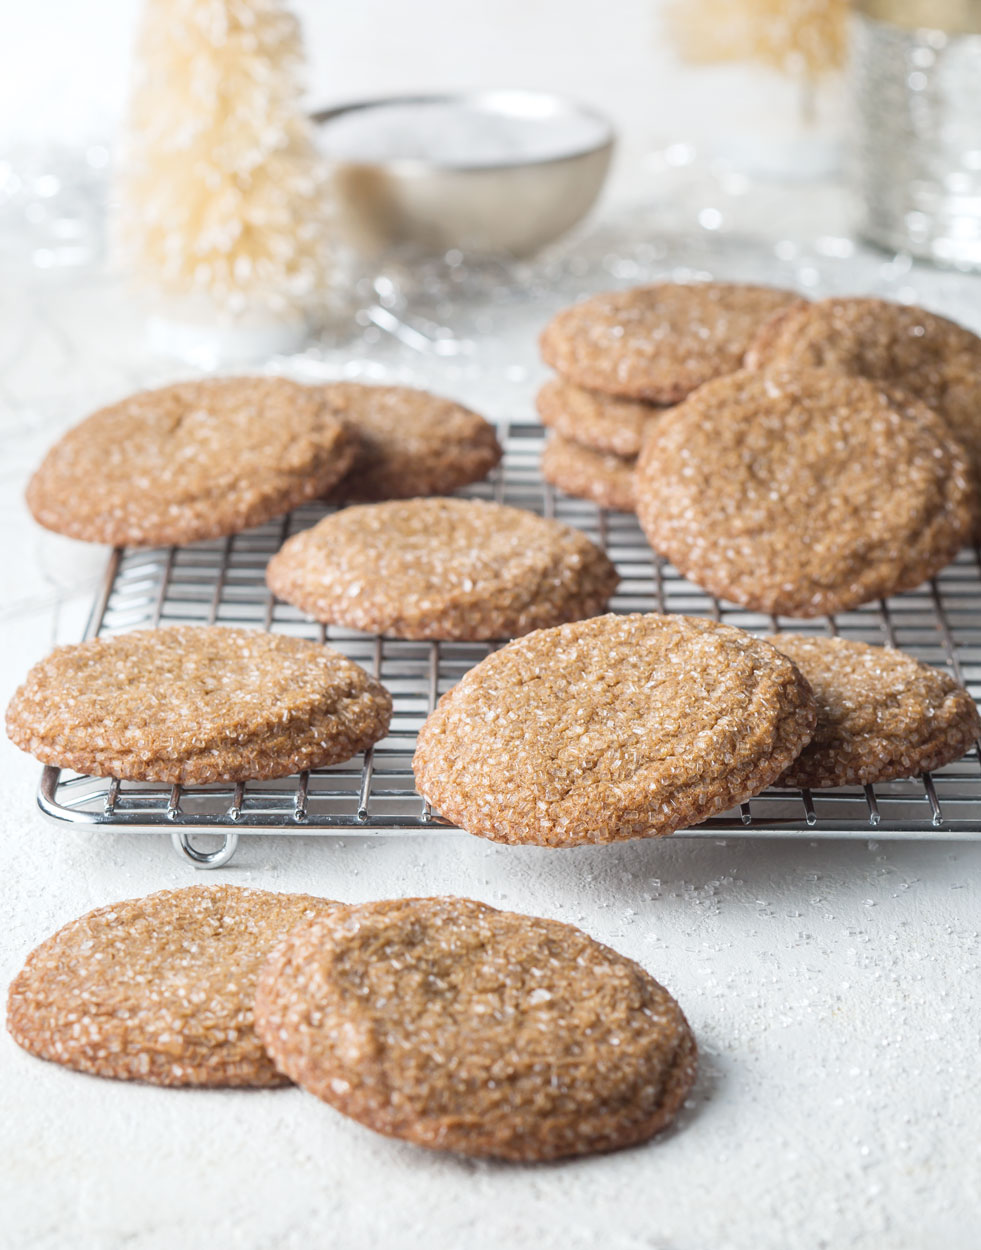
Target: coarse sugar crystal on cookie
{"x":617,"y":727}
{"x":158,"y":989}
{"x":189,"y":704}
{"x":191,"y":461}
{"x":604,"y":479}
{"x":442,"y":569}
{"x":804,"y":492}
{"x":899,"y":345}
{"x":881,"y":714}
{"x":659,"y":342}
{"x":459,"y":1027}
{"x":410,"y":442}
{"x":600,"y":422}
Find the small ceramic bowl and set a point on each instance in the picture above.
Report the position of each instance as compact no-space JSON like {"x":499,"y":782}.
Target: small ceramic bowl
{"x":529,"y":167}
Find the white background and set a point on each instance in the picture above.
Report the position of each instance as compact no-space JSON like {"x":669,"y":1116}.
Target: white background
{"x":834,"y":988}
{"x":64,"y":64}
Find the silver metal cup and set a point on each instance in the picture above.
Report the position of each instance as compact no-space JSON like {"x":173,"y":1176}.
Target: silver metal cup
{"x":510,"y":208}
{"x":916,"y":74}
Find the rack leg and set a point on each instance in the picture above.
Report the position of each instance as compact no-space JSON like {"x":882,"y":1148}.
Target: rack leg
{"x":181,"y":841}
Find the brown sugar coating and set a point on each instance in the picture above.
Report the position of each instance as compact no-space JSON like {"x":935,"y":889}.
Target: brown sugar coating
{"x":192,"y":704}
{"x":935,"y":360}
{"x":591,"y":419}
{"x":442,"y":568}
{"x":191,"y":461}
{"x":157,"y":989}
{"x":804,"y":493}
{"x":411,"y":443}
{"x":658,"y":342}
{"x":618,"y":727}
{"x":605,"y":479}
{"x":459,"y":1027}
{"x":881,"y":714}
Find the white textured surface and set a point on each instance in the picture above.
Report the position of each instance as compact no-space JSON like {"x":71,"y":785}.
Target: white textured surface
{"x":834,"y":988}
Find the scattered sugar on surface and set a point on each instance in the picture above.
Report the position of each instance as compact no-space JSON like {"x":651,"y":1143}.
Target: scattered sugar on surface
{"x":452,"y":133}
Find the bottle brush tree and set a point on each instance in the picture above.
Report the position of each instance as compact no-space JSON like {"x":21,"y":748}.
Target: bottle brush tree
{"x":221,"y":195}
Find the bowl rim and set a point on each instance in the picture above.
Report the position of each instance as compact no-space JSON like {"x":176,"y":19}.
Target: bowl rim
{"x":488,"y":99}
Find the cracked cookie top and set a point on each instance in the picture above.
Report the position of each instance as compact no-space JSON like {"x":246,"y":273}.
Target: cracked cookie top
{"x":899,"y":345}
{"x":804,"y":492}
{"x":881,"y":713}
{"x":410,"y":442}
{"x":191,"y":704}
{"x":612,"y":728}
{"x":658,"y":342}
{"x":442,"y":568}
{"x":157,"y":989}
{"x":456,"y":1026}
{"x":190,"y":461}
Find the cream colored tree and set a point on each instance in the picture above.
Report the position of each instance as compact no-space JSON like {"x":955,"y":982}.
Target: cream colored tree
{"x":777,"y":78}
{"x":222,"y":203}
{"x":801,"y":38}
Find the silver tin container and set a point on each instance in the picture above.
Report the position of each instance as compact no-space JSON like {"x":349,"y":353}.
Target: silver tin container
{"x":916,"y":81}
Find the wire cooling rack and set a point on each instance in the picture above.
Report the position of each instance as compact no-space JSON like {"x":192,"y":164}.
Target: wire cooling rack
{"x":223,"y":582}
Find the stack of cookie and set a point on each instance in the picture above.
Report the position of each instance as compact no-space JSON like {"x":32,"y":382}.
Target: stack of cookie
{"x":441,"y":1021}
{"x":840,"y":465}
{"x":807,"y":457}
{"x":626,"y":357}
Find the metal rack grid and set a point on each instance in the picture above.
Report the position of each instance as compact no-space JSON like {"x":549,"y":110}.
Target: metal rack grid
{"x":222,"y":582}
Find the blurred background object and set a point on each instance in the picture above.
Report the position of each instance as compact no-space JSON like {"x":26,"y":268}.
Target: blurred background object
{"x":491,"y":172}
{"x":620,"y":58}
{"x":678,"y":203}
{"x":222,"y":217}
{"x":917,"y":89}
{"x":795,"y":51}
{"x":718,"y":107}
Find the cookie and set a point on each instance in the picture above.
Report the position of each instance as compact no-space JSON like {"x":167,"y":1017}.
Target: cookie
{"x":618,"y":727}
{"x":658,"y":342}
{"x":935,"y":360}
{"x":411,"y":443}
{"x":191,"y":461}
{"x":881,"y":714}
{"x":606,"y":480}
{"x":804,"y":493}
{"x":591,"y":419}
{"x":197,"y":703}
{"x":157,"y":989}
{"x":442,"y":568}
{"x":450,"y":1024}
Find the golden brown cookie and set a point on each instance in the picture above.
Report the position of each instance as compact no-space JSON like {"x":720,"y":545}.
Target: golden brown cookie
{"x":411,"y":443}
{"x":658,"y":342}
{"x":617,"y":727}
{"x":606,"y":480}
{"x":594,"y":420}
{"x":157,"y":989}
{"x":804,"y":493}
{"x":197,"y":703}
{"x":459,"y":1027}
{"x":190,"y":461}
{"x":442,"y":568}
{"x":935,"y":360}
{"x":881,"y":714}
